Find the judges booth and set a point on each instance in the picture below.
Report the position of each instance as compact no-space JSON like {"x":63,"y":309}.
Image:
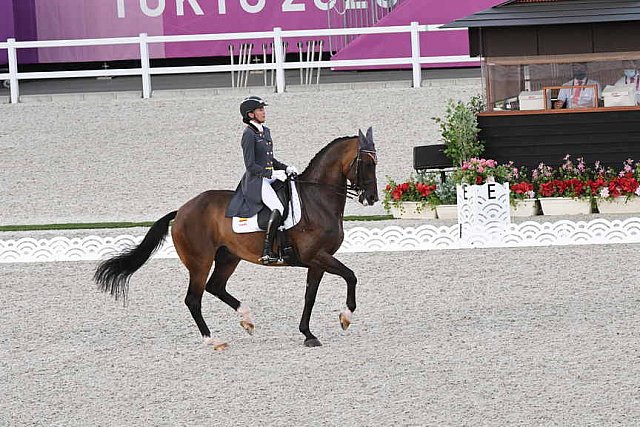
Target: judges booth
{"x":559,"y":77}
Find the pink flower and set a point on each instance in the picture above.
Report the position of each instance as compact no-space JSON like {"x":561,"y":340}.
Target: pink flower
{"x":480,"y":169}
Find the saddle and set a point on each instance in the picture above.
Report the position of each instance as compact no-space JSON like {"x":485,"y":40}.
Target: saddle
{"x":283,"y":191}
{"x":282,"y":244}
{"x":288,"y":195}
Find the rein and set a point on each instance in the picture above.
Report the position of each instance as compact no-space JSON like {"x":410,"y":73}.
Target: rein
{"x":348,"y":191}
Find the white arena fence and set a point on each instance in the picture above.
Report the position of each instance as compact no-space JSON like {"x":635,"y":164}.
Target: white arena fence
{"x":358,"y":239}
{"x":279,"y":65}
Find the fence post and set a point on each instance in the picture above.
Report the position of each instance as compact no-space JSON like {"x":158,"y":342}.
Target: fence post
{"x":277,"y":44}
{"x":145,"y":65}
{"x":415,"y":55}
{"x":13,"y":71}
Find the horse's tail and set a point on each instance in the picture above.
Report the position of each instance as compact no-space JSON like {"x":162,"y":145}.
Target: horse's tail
{"x":113,"y":274}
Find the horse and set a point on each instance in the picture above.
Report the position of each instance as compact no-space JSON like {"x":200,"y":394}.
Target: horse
{"x":203,"y":236}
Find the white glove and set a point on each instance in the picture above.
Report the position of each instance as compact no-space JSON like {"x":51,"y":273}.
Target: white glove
{"x":279,"y":175}
{"x":292,"y":170}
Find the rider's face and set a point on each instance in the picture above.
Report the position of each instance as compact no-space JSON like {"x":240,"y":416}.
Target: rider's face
{"x":259,"y":115}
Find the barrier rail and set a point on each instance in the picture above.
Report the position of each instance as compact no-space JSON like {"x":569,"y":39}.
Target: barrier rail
{"x":279,"y":65}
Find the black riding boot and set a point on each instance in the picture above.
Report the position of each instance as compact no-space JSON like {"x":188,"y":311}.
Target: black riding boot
{"x":268,"y":257}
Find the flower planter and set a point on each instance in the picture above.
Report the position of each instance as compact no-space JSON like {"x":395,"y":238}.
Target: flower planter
{"x":564,"y":206}
{"x":447,"y":211}
{"x":526,"y":207}
{"x":619,"y":205}
{"x":409,"y":210}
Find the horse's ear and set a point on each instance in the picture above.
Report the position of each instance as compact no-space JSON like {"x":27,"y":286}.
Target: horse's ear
{"x":370,"y":135}
{"x":362,"y":141}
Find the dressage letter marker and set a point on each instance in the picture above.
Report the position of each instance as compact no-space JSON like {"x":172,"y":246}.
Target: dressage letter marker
{"x":483,"y":213}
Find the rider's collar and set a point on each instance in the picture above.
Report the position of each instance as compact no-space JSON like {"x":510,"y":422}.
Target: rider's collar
{"x":257,"y":126}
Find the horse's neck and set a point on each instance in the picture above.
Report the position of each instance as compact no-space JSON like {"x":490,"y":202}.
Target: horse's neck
{"x":330,"y":169}
{"x":329,"y":194}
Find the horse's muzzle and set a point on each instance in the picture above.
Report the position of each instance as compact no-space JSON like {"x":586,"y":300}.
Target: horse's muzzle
{"x":368,"y":199}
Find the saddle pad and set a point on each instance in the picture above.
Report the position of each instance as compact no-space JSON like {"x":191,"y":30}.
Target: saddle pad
{"x":250,"y":225}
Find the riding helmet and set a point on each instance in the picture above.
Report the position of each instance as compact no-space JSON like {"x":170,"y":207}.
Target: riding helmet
{"x":249,"y":104}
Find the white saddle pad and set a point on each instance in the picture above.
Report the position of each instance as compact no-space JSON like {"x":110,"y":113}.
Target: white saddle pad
{"x":250,"y":225}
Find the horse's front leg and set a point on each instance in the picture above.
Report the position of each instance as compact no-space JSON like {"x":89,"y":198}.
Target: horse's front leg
{"x":331,"y":265}
{"x":314,"y":276}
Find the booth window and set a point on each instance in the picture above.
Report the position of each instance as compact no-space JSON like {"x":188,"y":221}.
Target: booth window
{"x":561,"y":82}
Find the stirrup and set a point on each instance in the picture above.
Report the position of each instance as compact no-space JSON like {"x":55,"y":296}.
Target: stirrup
{"x":270,"y":259}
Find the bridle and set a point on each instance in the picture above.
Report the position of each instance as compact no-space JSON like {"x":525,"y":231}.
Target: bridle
{"x":357,"y":188}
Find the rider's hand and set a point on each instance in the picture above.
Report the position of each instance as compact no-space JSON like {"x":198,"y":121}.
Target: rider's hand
{"x":292,"y":170}
{"x":279,"y":175}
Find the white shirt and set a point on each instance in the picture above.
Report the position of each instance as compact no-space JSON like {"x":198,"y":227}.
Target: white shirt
{"x":585,"y":95}
{"x":624,"y":80}
{"x":258,"y":126}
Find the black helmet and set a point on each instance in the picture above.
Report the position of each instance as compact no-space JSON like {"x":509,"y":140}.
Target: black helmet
{"x":249,"y":104}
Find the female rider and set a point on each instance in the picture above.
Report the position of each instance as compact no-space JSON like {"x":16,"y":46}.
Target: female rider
{"x":262,"y":169}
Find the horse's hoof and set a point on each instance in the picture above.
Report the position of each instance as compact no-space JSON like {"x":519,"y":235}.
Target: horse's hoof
{"x":344,"y":322}
{"x":312,"y":342}
{"x":221,"y":347}
{"x":215,"y":344}
{"x":247,"y":326}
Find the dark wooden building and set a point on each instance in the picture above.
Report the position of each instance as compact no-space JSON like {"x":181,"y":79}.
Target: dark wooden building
{"x":538,"y":110}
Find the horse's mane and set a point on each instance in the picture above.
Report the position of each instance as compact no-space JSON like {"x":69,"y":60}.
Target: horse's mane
{"x":323,"y":151}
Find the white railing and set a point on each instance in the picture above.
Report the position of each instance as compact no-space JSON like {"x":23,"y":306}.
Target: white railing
{"x":279,"y":65}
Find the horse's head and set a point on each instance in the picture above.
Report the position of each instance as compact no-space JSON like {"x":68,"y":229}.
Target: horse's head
{"x":362,"y":173}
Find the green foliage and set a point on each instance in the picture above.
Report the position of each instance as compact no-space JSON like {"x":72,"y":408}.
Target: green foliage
{"x":459,"y":130}
{"x":446,"y":193}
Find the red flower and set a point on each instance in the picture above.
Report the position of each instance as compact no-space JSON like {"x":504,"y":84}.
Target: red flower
{"x":424,"y":189}
{"x":596,"y":185}
{"x":522,"y":187}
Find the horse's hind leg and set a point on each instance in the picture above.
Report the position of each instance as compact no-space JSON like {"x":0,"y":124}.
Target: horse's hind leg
{"x":193,"y":300}
{"x":225,"y":265}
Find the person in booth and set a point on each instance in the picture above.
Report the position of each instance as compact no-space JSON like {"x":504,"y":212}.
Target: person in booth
{"x":631,"y":76}
{"x":575,"y":96}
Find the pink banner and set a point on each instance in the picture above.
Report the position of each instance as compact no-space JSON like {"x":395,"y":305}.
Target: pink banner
{"x":6,"y":26}
{"x":72,"y":19}
{"x":443,"y":43}
{"x":227,"y":16}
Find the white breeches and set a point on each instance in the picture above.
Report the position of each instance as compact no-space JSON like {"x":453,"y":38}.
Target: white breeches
{"x":269,"y":196}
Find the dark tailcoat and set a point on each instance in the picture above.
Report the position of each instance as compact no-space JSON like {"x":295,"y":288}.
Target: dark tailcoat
{"x":257,"y":149}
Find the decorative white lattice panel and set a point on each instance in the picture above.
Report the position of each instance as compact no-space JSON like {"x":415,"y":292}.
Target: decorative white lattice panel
{"x":484,"y":213}
{"x":358,"y":239}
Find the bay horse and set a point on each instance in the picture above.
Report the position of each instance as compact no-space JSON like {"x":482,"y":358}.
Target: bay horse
{"x":202,"y":236}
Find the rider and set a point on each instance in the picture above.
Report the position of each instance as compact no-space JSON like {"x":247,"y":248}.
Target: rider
{"x":262,"y":169}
